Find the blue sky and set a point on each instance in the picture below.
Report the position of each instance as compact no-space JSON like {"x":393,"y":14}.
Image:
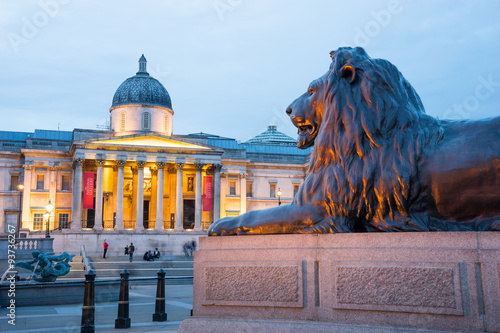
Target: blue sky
{"x":233,"y":66}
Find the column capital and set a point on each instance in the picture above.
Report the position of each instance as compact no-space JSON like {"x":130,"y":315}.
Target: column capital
{"x":160,"y":165}
{"x":171,"y":169}
{"x":27,"y":167}
{"x":179,"y":165}
{"x":100,"y":162}
{"x":78,"y":162}
{"x":154,"y":171}
{"x":54,"y":167}
{"x":217,"y":167}
{"x":199,"y":166}
{"x":134,"y":170}
{"x":243,"y":175}
{"x":120,"y":163}
{"x":141,"y":164}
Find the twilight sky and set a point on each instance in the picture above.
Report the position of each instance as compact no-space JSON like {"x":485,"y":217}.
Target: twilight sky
{"x":232,"y":67}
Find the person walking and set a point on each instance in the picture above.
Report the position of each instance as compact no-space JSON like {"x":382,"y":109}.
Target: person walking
{"x":105,"y":245}
{"x":131,"y":250}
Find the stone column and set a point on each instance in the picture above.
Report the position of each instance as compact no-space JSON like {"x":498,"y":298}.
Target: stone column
{"x":52,"y":192}
{"x":217,"y":168}
{"x":133,"y":205}
{"x":27,"y":197}
{"x":197,"y":198}
{"x":179,"y":199}
{"x":159,"y":196}
{"x":98,"y":195}
{"x":119,"y":195}
{"x":139,"y":215}
{"x":154,"y":193}
{"x":76,"y":211}
{"x":243,"y":193}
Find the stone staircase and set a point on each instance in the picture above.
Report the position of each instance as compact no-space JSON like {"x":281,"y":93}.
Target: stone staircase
{"x":110,"y":268}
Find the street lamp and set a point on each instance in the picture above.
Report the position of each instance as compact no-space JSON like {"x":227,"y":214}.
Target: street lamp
{"x":279,"y":196}
{"x":49,"y":208}
{"x":20,"y":187}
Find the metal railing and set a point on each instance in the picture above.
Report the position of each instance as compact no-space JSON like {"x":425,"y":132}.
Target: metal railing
{"x":205,"y":224}
{"x":129,"y":224}
{"x":108,"y":224}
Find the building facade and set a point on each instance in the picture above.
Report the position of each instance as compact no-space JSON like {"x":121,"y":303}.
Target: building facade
{"x":137,"y":177}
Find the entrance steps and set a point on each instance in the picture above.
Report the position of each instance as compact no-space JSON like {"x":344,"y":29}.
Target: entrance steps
{"x":110,"y":268}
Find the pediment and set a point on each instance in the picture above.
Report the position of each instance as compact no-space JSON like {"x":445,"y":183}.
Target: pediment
{"x":149,"y":141}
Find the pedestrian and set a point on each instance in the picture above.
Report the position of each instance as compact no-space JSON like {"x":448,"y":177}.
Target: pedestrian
{"x":126,"y":250}
{"x":105,"y":245}
{"x":131,"y":250}
{"x":150,"y":256}
{"x":145,"y":256}
{"x":156,"y":254}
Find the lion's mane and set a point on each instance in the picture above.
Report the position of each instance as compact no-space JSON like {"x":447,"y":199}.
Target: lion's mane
{"x":372,"y":135}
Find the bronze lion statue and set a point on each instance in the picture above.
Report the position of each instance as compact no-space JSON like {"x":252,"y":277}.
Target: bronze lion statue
{"x":379,"y":163}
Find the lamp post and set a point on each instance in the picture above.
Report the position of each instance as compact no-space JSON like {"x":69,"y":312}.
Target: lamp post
{"x":279,"y":196}
{"x":49,"y":208}
{"x":20,"y":187}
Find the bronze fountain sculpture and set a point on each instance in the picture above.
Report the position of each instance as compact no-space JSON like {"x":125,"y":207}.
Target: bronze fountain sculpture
{"x":379,"y":163}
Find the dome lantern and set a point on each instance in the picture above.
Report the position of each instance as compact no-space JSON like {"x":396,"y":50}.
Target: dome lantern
{"x":142,"y":65}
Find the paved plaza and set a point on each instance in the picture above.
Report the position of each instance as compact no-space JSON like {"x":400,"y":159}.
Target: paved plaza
{"x":67,"y":318}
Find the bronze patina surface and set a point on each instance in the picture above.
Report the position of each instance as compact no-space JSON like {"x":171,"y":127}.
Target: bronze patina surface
{"x":379,"y":163}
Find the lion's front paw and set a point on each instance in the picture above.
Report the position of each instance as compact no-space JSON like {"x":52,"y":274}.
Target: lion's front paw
{"x":223,"y":227}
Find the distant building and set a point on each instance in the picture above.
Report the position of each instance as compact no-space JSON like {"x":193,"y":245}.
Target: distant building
{"x":140,"y":178}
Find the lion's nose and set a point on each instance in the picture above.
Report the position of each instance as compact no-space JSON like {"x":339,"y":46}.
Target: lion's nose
{"x":289,"y":111}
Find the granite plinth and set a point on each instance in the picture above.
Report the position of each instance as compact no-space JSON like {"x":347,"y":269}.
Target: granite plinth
{"x":415,"y":281}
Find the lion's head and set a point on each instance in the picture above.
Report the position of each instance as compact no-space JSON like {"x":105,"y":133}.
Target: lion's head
{"x":368,"y":126}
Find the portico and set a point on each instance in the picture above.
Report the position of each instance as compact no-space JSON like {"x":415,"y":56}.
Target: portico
{"x":144,"y":182}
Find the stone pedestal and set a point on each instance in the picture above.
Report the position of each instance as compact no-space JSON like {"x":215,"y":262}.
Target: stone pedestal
{"x":366,"y":282}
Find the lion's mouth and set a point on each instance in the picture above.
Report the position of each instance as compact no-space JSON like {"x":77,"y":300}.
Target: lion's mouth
{"x":307,"y":134}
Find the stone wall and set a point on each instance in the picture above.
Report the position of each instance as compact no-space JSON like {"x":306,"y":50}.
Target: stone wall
{"x":168,"y":243}
{"x":441,"y":280}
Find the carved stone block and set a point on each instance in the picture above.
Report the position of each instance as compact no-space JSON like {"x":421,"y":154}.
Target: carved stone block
{"x":254,"y":284}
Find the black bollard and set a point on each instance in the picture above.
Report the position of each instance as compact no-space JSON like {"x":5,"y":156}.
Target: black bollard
{"x":160,"y":314}
{"x":88,"y":309}
{"x":123,"y":320}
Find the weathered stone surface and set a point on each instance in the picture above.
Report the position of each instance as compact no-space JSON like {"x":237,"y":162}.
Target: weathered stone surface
{"x":411,"y":286}
{"x":252,"y":283}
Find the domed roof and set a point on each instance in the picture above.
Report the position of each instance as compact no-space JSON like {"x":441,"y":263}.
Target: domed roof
{"x":272,"y":136}
{"x":142,"y":89}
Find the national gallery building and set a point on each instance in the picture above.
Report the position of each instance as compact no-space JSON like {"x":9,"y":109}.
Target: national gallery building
{"x":137,"y":181}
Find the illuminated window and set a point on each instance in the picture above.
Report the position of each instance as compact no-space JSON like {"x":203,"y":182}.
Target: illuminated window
{"x":145,"y":121}
{"x":166,"y":123}
{"x":39,"y":182}
{"x":122,"y":122}
{"x":232,"y":188}
{"x":64,"y":220}
{"x":38,"y":221}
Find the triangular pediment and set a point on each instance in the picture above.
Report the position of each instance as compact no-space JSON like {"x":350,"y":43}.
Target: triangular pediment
{"x":150,"y":141}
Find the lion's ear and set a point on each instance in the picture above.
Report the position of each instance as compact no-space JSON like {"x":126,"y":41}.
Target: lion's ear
{"x":348,"y":72}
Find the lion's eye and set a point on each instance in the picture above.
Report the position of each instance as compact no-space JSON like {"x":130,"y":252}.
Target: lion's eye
{"x":310,"y":91}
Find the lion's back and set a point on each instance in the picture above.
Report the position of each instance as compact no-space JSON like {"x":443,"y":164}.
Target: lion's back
{"x":462,"y":171}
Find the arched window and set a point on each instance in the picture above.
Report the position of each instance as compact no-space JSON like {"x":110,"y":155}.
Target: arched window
{"x":145,"y":121}
{"x":166,"y":123}
{"x":122,"y":122}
